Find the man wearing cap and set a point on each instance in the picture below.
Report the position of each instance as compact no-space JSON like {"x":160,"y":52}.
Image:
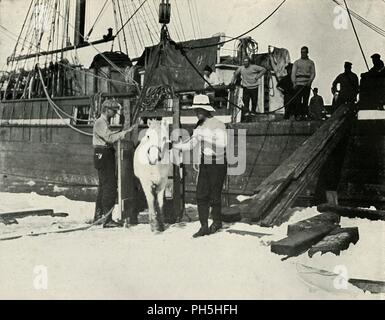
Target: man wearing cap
{"x":302,"y":76}
{"x":104,"y":161}
{"x":349,"y":86}
{"x":250,"y":75}
{"x":211,"y":137}
{"x":378,"y":64}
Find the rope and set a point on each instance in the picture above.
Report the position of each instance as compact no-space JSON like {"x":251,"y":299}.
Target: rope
{"x":97,"y":19}
{"x":356,"y":35}
{"x":156,"y":94}
{"x":191,"y":18}
{"x":130,"y":17}
{"x":179,"y":19}
{"x":364,"y":21}
{"x":243,"y":34}
{"x":124,"y":32}
{"x":55,"y":108}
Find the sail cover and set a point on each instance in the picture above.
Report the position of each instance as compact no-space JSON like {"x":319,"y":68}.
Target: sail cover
{"x":165,"y":65}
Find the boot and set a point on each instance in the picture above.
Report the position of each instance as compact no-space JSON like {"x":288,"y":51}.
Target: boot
{"x":108,"y":222}
{"x":215,"y":227}
{"x":112,"y":224}
{"x":203,"y":231}
{"x":98,"y":215}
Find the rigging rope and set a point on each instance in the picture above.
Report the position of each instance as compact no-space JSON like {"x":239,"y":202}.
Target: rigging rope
{"x":97,"y":19}
{"x":191,"y":17}
{"x":129,"y":19}
{"x":180,"y":21}
{"x":243,"y":34}
{"x":355,"y":33}
{"x":121,"y":21}
{"x":82,"y":70}
{"x":361,"y":19}
{"x":55,"y":108}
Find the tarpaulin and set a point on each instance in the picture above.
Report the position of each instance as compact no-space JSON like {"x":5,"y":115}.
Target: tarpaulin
{"x":165,"y":65}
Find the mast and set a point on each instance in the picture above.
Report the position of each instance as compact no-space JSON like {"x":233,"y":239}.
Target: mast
{"x":80,"y":22}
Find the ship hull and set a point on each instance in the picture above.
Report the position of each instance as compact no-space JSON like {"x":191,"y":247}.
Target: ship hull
{"x":53,"y":159}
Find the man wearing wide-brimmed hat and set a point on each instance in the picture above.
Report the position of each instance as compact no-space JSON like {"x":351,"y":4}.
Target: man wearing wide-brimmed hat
{"x":211,"y":137}
{"x":104,"y":160}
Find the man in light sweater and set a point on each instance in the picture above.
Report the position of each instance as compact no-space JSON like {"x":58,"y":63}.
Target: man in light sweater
{"x":250,"y":75}
{"x":211,"y":137}
{"x":302,"y":76}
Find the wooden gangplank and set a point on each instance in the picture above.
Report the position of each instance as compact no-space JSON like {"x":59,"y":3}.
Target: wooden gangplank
{"x":277,"y":192}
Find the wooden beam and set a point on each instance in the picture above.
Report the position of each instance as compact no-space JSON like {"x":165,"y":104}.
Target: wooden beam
{"x":314,"y":222}
{"x":248,"y":233}
{"x":27,"y":213}
{"x":350,"y":212}
{"x":300,"y":242}
{"x":336,"y":241}
{"x":296,"y":171}
{"x":65,"y":49}
{"x":178,"y":188}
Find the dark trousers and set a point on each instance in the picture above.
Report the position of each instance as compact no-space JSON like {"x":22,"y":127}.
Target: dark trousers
{"x":302,"y":94}
{"x":104,"y":160}
{"x":250,"y":94}
{"x":289,"y":105}
{"x":209,"y":191}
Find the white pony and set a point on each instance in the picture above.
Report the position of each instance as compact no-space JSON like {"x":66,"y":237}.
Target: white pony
{"x":152,"y":167}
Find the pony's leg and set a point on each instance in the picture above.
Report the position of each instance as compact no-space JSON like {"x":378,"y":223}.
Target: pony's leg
{"x":160,"y":212}
{"x":148,"y":191}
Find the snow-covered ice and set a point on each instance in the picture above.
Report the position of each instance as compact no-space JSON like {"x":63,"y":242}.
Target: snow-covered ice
{"x":134,"y":263}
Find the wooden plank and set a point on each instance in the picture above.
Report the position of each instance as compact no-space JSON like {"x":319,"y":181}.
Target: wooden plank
{"x":277,"y":215}
{"x":178,"y":171}
{"x":248,"y":233}
{"x":314,"y":222}
{"x":280,"y":179}
{"x":374,"y":287}
{"x":350,"y":212}
{"x":300,"y":242}
{"x":27,"y":213}
{"x":336,"y":241}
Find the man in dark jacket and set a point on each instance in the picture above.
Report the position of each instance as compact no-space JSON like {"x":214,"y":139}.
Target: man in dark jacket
{"x":349,"y":86}
{"x":286,"y":86}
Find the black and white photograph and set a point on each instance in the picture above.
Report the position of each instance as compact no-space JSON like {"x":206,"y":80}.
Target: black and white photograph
{"x":192,"y":150}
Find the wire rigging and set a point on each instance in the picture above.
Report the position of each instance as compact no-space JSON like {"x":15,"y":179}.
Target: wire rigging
{"x":243,"y":34}
{"x":355,"y":33}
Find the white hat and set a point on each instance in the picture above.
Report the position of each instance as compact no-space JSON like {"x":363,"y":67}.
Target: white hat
{"x":201,"y":101}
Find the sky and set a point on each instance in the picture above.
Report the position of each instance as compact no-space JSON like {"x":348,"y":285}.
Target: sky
{"x":315,"y":23}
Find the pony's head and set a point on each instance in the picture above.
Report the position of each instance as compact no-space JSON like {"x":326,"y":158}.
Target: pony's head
{"x":156,"y":139}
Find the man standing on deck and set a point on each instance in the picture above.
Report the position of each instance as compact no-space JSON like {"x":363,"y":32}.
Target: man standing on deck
{"x":250,"y":75}
{"x":211,"y":137}
{"x":349,"y":86}
{"x":104,"y":161}
{"x":316,"y":106}
{"x":302,"y":76}
{"x":378,"y":65}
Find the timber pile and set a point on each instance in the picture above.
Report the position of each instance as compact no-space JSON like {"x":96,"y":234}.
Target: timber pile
{"x":277,"y":192}
{"x":321,"y":233}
